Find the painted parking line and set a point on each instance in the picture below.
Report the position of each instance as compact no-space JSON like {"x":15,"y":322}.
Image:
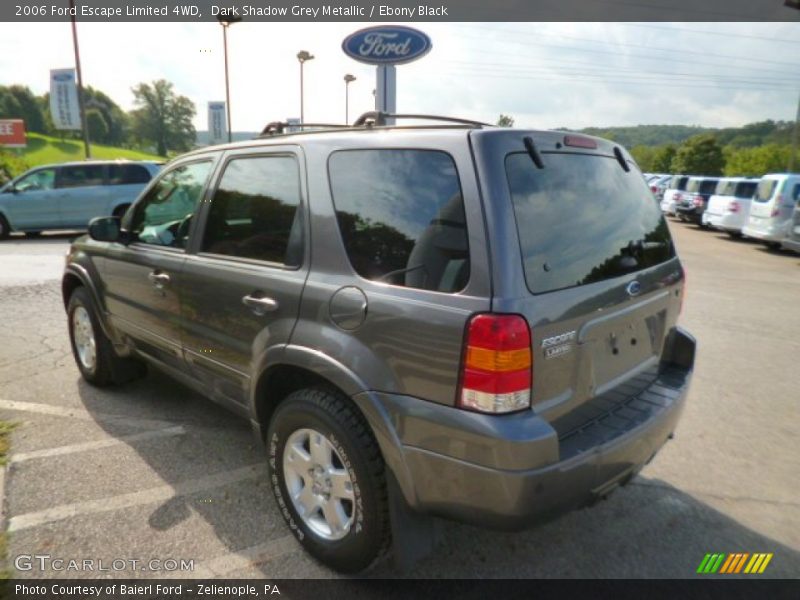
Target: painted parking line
{"x":86,"y":446}
{"x":148,"y":496}
{"x":241,"y":559}
{"x":79,"y":413}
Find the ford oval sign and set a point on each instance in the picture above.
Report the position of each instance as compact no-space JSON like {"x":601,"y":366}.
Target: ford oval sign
{"x":634,"y":288}
{"x":392,"y":45}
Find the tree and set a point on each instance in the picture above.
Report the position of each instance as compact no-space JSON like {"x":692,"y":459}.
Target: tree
{"x":163,"y":118}
{"x":643,"y":155}
{"x":98,"y":128}
{"x":505,"y":121}
{"x":755,"y":162}
{"x":18,"y":102}
{"x":663,"y":157}
{"x":699,"y":155}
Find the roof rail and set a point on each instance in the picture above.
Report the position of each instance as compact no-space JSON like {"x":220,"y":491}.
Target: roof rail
{"x":379,"y":118}
{"x":279,"y":127}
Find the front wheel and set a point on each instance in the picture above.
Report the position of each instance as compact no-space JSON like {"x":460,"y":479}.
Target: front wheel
{"x":5,"y":229}
{"x":328,"y":478}
{"x":94,"y":354}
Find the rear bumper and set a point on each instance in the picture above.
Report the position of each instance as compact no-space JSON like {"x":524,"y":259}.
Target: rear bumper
{"x":770,"y":234}
{"x":693,"y":214}
{"x":726,"y":222}
{"x":512,"y":471}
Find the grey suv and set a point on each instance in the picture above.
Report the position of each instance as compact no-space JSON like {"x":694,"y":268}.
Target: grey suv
{"x":452,"y":320}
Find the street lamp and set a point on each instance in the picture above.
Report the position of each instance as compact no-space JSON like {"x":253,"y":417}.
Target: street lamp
{"x":302,"y":57}
{"x":348,"y":79}
{"x":227,"y":21}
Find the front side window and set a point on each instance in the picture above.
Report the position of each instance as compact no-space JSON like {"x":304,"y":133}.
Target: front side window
{"x":401,"y":217}
{"x":41,"y":180}
{"x":255,"y":211}
{"x":81,"y":176}
{"x":583,"y":219}
{"x":163,"y":216}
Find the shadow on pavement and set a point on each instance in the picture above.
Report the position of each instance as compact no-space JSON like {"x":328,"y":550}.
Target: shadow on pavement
{"x":647,"y":529}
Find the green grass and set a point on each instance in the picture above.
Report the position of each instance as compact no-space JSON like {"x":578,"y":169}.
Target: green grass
{"x":43,"y":149}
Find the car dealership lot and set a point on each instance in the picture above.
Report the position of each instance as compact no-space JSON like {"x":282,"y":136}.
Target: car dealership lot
{"x":153,"y":472}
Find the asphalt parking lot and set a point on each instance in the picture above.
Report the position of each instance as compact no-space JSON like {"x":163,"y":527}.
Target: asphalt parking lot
{"x":152,"y":471}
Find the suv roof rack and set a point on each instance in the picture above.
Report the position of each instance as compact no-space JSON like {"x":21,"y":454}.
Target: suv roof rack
{"x":379,"y":118}
{"x":279,"y":127}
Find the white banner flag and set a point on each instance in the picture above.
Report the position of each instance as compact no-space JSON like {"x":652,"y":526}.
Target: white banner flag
{"x":64,"y":99}
{"x":217,"y":123}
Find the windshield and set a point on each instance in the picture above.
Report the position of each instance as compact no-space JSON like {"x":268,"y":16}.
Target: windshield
{"x":583,"y":219}
{"x":766,"y":188}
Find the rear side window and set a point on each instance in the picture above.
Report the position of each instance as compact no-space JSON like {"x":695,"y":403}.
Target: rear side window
{"x":726,"y":188}
{"x":254,"y":213}
{"x":745,"y":189}
{"x":678,"y":182}
{"x":766,"y":187}
{"x":708,"y":186}
{"x":127,"y":174}
{"x":401,"y":216}
{"x":583,"y":219}
{"x":81,"y":176}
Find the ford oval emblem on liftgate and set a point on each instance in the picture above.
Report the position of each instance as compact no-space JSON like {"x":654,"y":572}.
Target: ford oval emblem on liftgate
{"x":633,"y":289}
{"x":390,"y":45}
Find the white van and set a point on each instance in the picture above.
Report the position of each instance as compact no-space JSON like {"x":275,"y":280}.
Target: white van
{"x":673,"y":193}
{"x":771,"y":210}
{"x":729,"y":207}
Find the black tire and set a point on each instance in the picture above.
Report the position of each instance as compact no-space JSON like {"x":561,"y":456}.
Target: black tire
{"x":333,"y":415}
{"x":120,"y":210}
{"x":736,"y":235}
{"x":5,"y":228}
{"x":774,"y":246}
{"x":32,"y":234}
{"x":108,"y":368}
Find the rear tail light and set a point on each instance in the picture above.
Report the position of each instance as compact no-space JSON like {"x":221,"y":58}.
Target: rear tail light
{"x":733,"y":206}
{"x":777,"y":207}
{"x":697,"y":201}
{"x":497,"y":366}
{"x":653,"y":188}
{"x":678,"y":197}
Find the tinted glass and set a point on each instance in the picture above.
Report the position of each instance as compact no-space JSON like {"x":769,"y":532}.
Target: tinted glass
{"x":401,"y":216}
{"x":682,"y":181}
{"x":583,"y":219}
{"x":254,"y":213}
{"x":43,"y":179}
{"x":726,"y":188}
{"x":163,"y":216}
{"x":746,"y":189}
{"x":796,"y":193}
{"x":81,"y":176}
{"x":127,"y":174}
{"x":765,"y":189}
{"x":707,"y":186}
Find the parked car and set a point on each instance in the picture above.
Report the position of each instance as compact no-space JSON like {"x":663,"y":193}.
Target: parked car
{"x":69,"y":195}
{"x":771,"y":211}
{"x":430,"y":319}
{"x":792,"y":240}
{"x":672,"y":194}
{"x":658,"y":185}
{"x":694,"y":200}
{"x":729,"y":207}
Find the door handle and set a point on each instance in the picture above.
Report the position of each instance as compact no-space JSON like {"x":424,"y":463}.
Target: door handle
{"x":158,"y":279}
{"x":260,"y":306}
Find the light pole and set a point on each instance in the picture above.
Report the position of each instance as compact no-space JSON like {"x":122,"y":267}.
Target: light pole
{"x":81,"y":107}
{"x":348,"y":79}
{"x":227,"y":21}
{"x":303,"y":56}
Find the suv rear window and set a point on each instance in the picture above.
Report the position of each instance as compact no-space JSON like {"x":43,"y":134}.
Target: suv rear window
{"x":127,"y":174}
{"x":678,"y":182}
{"x":745,"y":189}
{"x":702,"y":186}
{"x":726,"y":188}
{"x":583,"y":219}
{"x":766,"y":187}
{"x":401,"y":216}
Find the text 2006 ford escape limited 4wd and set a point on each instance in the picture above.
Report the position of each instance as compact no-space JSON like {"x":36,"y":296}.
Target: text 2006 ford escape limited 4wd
{"x":452,"y":320}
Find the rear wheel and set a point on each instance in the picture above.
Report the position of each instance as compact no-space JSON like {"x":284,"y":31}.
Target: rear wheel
{"x":5,"y":229}
{"x":773,"y":245}
{"x":94,"y":354}
{"x":328,"y":477}
{"x":736,"y":235}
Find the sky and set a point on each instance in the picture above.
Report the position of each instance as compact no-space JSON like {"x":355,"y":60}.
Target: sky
{"x":544,"y":75}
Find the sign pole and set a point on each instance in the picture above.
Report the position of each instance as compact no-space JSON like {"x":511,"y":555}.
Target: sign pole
{"x":386,"y":86}
{"x":86,"y":146}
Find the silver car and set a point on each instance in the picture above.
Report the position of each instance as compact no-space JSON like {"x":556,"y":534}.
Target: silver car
{"x":69,"y":195}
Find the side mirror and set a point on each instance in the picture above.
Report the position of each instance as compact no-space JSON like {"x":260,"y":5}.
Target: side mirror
{"x":105,"y":229}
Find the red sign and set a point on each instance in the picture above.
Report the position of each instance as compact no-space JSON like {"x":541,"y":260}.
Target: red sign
{"x":12,"y":133}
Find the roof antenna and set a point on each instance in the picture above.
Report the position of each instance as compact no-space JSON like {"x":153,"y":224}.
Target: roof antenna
{"x":533,"y":152}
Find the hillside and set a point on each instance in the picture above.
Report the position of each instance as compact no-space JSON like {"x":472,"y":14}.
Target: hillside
{"x":43,"y":149}
{"x":748,"y":136}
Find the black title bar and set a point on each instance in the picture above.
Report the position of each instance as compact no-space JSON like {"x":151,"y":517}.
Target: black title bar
{"x":401,"y":10}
